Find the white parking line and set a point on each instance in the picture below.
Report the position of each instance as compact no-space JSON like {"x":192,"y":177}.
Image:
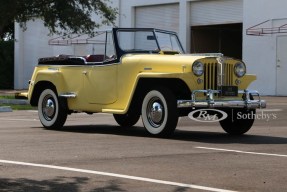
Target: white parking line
{"x":117,"y":175}
{"x":246,"y":152}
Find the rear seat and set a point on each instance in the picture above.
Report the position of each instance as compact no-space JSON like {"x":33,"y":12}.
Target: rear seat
{"x":95,"y":58}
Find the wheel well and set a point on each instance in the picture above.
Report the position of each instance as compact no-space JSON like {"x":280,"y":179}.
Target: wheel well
{"x":39,"y":87}
{"x":177,"y":86}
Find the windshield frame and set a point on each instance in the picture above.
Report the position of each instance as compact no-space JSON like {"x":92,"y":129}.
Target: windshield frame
{"x":154,"y":32}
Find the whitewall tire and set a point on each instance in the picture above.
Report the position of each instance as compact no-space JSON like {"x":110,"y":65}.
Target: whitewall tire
{"x":159,"y":112}
{"x":52,"y":113}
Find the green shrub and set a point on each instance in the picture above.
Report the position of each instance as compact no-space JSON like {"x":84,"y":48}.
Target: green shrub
{"x":6,"y":64}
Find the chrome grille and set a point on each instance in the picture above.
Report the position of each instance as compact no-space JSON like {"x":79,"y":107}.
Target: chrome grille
{"x":211,"y":74}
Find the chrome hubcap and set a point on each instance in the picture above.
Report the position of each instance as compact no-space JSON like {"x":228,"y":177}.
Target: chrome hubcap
{"x":155,"y":112}
{"x":48,"y":107}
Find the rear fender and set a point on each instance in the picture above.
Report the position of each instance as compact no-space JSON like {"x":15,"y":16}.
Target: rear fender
{"x":43,"y":80}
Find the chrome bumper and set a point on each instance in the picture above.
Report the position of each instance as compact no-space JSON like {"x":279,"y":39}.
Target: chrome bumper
{"x":209,"y":102}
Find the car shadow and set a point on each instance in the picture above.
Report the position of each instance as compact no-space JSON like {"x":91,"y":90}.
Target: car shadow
{"x":224,"y":138}
{"x":181,"y":135}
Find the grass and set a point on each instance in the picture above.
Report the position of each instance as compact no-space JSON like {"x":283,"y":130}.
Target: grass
{"x":7,"y":97}
{"x":14,"y":106}
{"x":19,"y":107}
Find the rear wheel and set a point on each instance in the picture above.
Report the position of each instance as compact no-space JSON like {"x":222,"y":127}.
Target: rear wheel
{"x":238,"y":121}
{"x":159,"y":112}
{"x":52,"y":111}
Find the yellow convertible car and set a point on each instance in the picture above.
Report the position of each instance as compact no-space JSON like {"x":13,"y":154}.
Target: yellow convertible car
{"x":144,"y":72}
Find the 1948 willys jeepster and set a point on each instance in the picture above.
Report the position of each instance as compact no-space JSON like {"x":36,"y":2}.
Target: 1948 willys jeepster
{"x":144,"y":72}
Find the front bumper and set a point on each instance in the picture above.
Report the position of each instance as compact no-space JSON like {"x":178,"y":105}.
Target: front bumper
{"x":210,"y":102}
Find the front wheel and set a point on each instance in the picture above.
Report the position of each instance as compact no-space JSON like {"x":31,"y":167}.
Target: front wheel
{"x":52,"y":113}
{"x":127,"y":120}
{"x":238,"y":121}
{"x":159,"y":112}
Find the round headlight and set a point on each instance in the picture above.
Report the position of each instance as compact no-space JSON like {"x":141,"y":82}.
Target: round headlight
{"x":239,"y":69}
{"x":198,"y":68}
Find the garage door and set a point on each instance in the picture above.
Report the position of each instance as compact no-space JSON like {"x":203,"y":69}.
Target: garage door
{"x":160,"y":16}
{"x":216,"y":12}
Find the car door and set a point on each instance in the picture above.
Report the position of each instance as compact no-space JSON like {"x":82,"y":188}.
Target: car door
{"x":101,"y":71}
{"x":100,"y":84}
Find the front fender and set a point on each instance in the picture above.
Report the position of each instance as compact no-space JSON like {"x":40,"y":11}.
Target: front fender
{"x":132,"y":88}
{"x":246,"y":80}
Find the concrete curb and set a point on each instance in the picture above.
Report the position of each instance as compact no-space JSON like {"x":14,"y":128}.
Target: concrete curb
{"x":14,"y":101}
{"x":5,"y":109}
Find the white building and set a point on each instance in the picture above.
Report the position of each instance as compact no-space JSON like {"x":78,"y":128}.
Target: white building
{"x":227,"y":26}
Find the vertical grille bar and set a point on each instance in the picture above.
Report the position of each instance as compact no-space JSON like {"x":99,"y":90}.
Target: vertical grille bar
{"x":205,"y":76}
{"x":228,"y":77}
{"x":215,"y":76}
{"x":211,"y":75}
{"x":227,"y":74}
{"x":231,"y":74}
{"x":225,"y":80}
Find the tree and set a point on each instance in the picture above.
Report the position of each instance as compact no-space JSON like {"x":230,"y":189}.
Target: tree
{"x":60,"y":16}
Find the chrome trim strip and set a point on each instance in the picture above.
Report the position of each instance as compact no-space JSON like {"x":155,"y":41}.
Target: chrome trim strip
{"x":68,"y":95}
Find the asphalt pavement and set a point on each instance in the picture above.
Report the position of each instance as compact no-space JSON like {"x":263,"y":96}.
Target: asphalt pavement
{"x":92,"y":153}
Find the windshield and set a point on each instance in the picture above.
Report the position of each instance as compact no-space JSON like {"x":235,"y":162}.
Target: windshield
{"x":168,"y":42}
{"x":148,"y":41}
